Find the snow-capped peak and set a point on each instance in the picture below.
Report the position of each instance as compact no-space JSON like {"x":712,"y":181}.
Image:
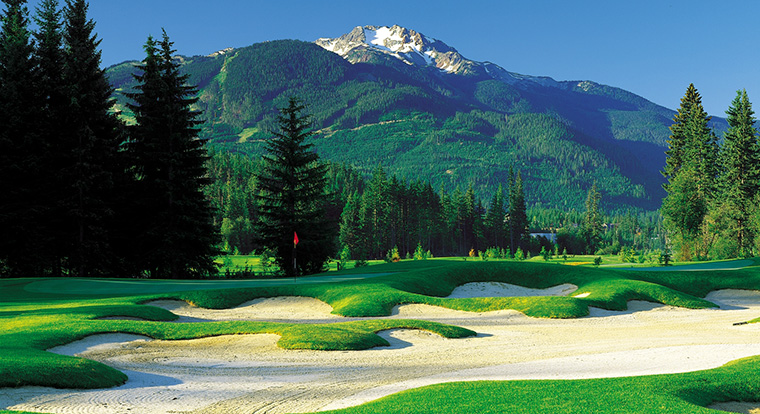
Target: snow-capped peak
{"x":414,"y":48}
{"x":407,"y":45}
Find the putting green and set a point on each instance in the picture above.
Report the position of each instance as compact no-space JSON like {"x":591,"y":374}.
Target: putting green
{"x":699,"y":267}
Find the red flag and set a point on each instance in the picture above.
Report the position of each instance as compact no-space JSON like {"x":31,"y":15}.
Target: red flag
{"x":295,"y":239}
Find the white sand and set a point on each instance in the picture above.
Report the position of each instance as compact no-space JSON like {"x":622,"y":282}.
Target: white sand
{"x":498,"y":289}
{"x":737,"y":407}
{"x":248,"y":373}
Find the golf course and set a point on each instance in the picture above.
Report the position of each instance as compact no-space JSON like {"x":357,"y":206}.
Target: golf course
{"x":416,"y":336}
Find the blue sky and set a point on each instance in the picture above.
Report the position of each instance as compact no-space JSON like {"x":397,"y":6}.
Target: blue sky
{"x":652,"y":48}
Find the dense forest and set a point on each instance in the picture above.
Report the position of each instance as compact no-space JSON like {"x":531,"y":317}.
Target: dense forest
{"x":711,"y":210}
{"x":84,"y":194}
{"x":382,"y":212}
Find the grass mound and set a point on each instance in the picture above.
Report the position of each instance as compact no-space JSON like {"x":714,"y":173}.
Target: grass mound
{"x":675,"y":393}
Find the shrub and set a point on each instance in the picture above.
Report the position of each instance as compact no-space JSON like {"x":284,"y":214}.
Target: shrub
{"x":345,"y":256}
{"x":393,"y":255}
{"x":419,"y":254}
{"x":360,"y":263}
{"x":546,"y":254}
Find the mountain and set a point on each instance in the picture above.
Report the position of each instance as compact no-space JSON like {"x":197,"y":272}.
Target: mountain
{"x":394,"y":97}
{"x":416,"y":49}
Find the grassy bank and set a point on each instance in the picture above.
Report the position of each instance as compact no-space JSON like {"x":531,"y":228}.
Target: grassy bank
{"x":674,"y":393}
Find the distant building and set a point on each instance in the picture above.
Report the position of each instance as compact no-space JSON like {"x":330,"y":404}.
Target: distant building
{"x":552,"y":237}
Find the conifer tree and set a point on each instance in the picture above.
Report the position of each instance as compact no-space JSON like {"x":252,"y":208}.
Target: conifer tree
{"x":739,"y":180}
{"x":679,"y":133}
{"x":49,"y":56}
{"x":374,"y":214}
{"x":592,"y":221}
{"x":293,"y":195}
{"x":692,"y":152}
{"x":467,"y":213}
{"x":351,"y":235}
{"x":177,"y":233}
{"x":21,"y":151}
{"x":518,"y":216}
{"x":494,"y":220}
{"x":90,"y":137}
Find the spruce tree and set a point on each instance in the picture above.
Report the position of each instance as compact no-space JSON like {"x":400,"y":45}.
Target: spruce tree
{"x":679,"y":133}
{"x":49,"y":57}
{"x":293,"y":196}
{"x":175,"y":219}
{"x":739,"y":180}
{"x":90,"y":137}
{"x":494,"y":221}
{"x":518,"y":217}
{"x":692,"y":151}
{"x":592,"y":221}
{"x":21,"y":150}
{"x":374,"y":213}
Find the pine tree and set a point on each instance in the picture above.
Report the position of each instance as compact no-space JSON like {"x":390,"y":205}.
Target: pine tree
{"x":21,"y":150}
{"x":592,"y":221}
{"x":679,"y":133}
{"x":49,"y":57}
{"x":494,"y":221}
{"x":693,"y":152}
{"x":739,"y":180}
{"x":90,"y":137}
{"x":518,"y":216}
{"x":176,"y":221}
{"x":374,"y":214}
{"x":467,"y":211}
{"x":684,"y":210}
{"x":692,"y":142}
{"x":293,"y":195}
{"x":351,"y":235}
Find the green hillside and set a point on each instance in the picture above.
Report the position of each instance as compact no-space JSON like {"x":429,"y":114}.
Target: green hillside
{"x":447,"y":129}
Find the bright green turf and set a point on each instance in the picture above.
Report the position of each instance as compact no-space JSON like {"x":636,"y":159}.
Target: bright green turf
{"x":669,"y":394}
{"x":58,"y":311}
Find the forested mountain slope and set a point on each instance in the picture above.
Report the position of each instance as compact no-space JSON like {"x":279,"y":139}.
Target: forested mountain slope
{"x":395,"y":97}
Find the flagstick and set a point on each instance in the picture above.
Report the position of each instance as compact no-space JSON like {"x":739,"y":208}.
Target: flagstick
{"x":295,"y":246}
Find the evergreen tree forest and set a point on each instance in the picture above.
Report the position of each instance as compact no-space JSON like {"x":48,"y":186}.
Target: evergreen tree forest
{"x":711,"y":210}
{"x":377,"y":215}
{"x":83,"y":194}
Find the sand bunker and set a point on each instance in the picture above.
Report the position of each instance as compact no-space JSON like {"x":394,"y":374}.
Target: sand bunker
{"x":498,"y":289}
{"x":737,"y":407}
{"x":278,"y":309}
{"x":248,"y":373}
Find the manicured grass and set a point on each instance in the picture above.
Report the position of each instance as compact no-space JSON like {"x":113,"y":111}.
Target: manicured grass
{"x":36,"y":314}
{"x":674,"y":393}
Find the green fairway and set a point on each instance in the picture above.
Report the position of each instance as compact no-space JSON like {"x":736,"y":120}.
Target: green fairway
{"x":125,"y":287}
{"x":37,"y":314}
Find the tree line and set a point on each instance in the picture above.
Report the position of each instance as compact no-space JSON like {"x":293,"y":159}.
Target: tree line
{"x":83,"y":193}
{"x":711,"y":210}
{"x":373,"y":217}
